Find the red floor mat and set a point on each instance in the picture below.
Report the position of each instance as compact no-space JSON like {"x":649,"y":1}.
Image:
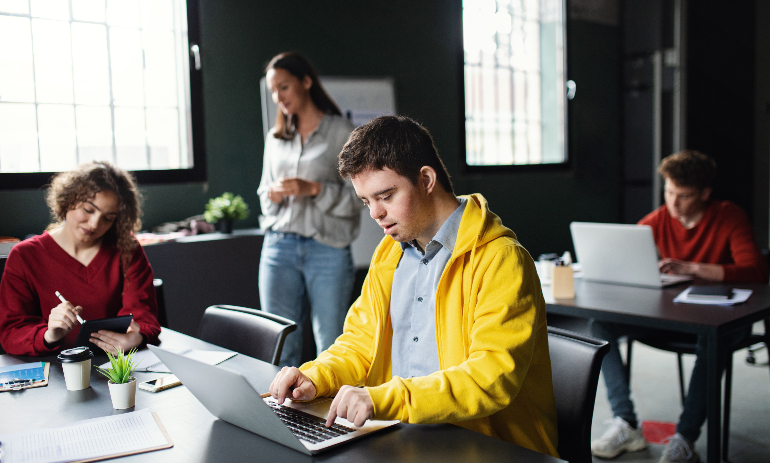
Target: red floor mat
{"x":658,"y":432}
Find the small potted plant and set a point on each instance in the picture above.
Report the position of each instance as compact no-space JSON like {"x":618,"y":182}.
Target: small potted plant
{"x":224,"y":210}
{"x":122,"y":385}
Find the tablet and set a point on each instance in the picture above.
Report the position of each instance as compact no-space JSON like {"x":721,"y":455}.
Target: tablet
{"x":116,"y":324}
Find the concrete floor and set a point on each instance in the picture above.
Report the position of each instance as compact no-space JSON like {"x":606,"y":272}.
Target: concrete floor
{"x":655,"y":392}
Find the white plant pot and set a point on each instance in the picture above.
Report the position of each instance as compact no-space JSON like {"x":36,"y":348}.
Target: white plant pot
{"x":123,"y":395}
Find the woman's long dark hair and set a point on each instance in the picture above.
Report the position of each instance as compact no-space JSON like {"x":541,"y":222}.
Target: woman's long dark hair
{"x":299,"y":67}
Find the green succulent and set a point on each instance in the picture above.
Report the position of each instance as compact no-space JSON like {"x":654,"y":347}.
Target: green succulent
{"x":226,"y":207}
{"x":122,"y":366}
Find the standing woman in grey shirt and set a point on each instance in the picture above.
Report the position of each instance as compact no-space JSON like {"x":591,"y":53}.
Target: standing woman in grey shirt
{"x":309,"y":213}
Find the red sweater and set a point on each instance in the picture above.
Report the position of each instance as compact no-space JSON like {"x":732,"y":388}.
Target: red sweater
{"x":722,"y":236}
{"x":38,"y":267}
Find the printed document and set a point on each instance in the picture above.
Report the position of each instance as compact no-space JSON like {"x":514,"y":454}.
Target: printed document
{"x":98,"y":438}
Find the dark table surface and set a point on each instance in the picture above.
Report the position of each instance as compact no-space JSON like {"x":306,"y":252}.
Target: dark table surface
{"x":654,"y":308}
{"x":199,"y":437}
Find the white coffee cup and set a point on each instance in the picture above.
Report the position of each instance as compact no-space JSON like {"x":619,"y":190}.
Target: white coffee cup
{"x":76,"y":364}
{"x":544,"y":270}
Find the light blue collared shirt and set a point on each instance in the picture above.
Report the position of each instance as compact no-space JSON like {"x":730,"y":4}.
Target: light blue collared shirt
{"x":413,"y":300}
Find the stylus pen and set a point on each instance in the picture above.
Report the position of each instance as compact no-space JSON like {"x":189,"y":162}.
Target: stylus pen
{"x":61,"y":298}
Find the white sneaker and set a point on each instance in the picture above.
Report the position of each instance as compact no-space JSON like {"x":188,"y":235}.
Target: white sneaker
{"x":619,"y":438}
{"x":679,"y":450}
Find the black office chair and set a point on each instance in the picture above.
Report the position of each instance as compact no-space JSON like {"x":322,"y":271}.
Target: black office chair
{"x":250,"y":332}
{"x":686,"y":344}
{"x":161,"y":300}
{"x":575,"y":364}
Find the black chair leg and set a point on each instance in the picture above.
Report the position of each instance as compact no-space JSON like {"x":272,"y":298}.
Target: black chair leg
{"x":767,"y":340}
{"x":726,"y":413}
{"x":681,"y":378}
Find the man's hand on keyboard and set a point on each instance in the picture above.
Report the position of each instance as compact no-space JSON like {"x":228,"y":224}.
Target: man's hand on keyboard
{"x":352,"y":403}
{"x":290,"y":383}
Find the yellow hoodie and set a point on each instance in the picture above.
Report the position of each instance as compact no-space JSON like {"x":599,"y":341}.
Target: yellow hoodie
{"x":491,"y":335}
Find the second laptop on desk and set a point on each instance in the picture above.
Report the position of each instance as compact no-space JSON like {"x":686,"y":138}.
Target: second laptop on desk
{"x":620,"y":254}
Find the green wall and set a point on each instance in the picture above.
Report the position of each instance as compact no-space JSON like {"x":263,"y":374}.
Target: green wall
{"x":418,"y":44}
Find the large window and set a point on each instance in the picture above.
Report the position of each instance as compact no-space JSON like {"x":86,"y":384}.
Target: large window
{"x":514,"y":82}
{"x":84,"y":80}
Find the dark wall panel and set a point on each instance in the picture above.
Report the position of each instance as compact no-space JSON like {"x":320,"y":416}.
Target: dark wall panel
{"x":720,"y":94}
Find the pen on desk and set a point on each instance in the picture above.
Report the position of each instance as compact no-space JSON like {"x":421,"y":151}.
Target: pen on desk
{"x":266,"y":394}
{"x":61,"y":298}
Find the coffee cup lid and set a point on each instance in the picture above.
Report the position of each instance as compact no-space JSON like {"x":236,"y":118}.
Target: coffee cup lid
{"x":76,"y":354}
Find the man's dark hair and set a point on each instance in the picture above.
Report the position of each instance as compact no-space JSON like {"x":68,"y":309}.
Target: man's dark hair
{"x":396,"y":142}
{"x":689,"y":168}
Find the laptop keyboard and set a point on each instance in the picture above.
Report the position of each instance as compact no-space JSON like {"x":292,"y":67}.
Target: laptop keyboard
{"x":306,"y":426}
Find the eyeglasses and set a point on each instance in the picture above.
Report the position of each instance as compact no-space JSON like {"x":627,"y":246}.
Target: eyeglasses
{"x":16,"y":384}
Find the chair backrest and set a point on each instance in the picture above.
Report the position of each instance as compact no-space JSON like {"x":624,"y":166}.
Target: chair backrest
{"x":575,"y":364}
{"x":250,"y":332}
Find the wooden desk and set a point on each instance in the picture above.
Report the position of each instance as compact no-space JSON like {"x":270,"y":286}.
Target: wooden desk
{"x":654,"y":308}
{"x":199,"y":437}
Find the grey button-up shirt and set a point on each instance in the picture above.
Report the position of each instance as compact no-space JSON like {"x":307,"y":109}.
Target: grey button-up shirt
{"x":331,"y":218}
{"x":413,"y":300}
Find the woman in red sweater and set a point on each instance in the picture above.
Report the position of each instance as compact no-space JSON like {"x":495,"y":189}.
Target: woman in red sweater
{"x":91,"y":256}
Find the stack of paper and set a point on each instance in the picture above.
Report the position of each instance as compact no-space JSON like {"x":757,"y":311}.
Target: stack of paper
{"x":96,"y":439}
{"x":739,"y":296}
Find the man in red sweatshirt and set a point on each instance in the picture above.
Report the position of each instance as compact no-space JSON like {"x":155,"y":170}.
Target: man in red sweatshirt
{"x":697,"y":236}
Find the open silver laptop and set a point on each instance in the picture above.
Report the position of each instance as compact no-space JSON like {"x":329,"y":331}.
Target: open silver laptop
{"x":620,"y":254}
{"x":230,"y":397}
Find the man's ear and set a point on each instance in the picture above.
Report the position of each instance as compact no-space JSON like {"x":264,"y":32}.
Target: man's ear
{"x":428,"y":178}
{"x":705,"y":194}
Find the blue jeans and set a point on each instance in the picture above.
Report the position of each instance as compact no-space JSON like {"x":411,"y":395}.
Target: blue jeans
{"x":294,"y":269}
{"x":695,"y":404}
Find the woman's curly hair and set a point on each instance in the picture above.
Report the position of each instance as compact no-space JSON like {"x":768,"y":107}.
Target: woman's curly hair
{"x":69,"y":189}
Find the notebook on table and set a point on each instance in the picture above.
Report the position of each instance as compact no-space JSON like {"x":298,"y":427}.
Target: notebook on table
{"x":620,"y":254}
{"x":231,"y":398}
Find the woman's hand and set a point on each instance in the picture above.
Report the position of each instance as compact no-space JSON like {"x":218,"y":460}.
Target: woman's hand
{"x":62,"y":320}
{"x":109,"y":341}
{"x":292,"y":187}
{"x":274,"y":192}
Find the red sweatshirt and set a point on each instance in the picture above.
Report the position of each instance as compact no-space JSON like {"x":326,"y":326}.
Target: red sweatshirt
{"x":38,"y":267}
{"x":722,"y":236}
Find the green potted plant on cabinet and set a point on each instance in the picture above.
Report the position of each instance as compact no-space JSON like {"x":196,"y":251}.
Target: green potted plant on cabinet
{"x":122,"y":385}
{"x":224,"y":210}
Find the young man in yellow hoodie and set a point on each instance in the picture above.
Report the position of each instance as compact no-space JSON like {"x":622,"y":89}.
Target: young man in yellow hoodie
{"x":450,"y":326}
